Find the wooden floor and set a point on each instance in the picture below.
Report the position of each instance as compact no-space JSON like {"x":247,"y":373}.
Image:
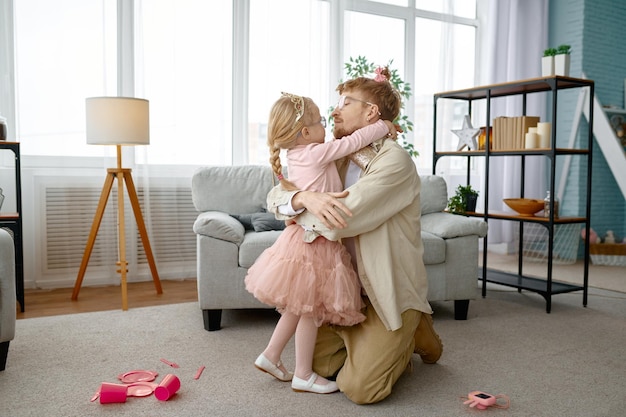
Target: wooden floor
{"x":40,"y":303}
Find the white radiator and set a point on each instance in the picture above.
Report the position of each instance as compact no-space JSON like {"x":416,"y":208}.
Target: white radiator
{"x":67,"y":213}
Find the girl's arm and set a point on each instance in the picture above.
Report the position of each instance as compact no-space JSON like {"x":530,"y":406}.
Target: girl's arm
{"x":338,"y":148}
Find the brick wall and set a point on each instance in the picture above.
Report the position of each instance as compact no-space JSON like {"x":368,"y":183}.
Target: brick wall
{"x":596,"y":30}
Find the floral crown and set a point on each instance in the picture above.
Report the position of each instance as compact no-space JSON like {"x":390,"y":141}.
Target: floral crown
{"x":298,"y":104}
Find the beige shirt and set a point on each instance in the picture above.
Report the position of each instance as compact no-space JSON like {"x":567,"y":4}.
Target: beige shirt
{"x":385,"y":204}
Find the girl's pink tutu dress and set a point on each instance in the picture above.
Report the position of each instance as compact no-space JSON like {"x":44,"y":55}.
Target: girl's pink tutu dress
{"x":315,"y":278}
{"x":302,"y":278}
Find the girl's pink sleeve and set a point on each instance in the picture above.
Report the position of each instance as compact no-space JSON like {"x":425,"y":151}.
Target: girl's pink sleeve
{"x":338,"y":148}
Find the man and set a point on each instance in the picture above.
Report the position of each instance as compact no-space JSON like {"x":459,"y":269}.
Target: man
{"x":378,"y":219}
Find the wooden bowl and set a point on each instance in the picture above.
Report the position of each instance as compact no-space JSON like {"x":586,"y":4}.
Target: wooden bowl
{"x":524,"y":206}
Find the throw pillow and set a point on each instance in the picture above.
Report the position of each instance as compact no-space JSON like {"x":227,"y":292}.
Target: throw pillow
{"x":245,"y":220}
{"x":263,"y":222}
{"x":259,"y":222}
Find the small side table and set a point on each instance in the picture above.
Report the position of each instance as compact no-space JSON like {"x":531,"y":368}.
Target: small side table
{"x":13,"y":222}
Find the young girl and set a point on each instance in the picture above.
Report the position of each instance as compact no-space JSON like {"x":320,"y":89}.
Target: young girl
{"x":309,"y":283}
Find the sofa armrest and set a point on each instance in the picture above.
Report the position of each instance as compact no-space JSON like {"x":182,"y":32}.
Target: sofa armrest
{"x":7,"y":289}
{"x":219,"y":225}
{"x":448,"y":225}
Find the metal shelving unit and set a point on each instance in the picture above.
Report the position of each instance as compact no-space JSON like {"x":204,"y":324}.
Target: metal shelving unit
{"x":550,"y":85}
{"x":13,"y":222}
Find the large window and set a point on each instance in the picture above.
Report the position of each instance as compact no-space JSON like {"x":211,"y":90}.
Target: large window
{"x":211,"y":70}
{"x":444,"y":63}
{"x":433,"y":47}
{"x":363,"y":37}
{"x":289,"y":51}
{"x":183,"y":65}
{"x":65,"y":51}
{"x":459,"y":8}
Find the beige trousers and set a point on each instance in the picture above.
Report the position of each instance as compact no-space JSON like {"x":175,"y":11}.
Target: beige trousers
{"x":367,"y":358}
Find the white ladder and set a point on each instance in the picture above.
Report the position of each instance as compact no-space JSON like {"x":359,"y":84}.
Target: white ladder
{"x":606,"y":138}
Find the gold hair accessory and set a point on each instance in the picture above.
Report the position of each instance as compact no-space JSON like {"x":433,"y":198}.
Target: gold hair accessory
{"x":298,"y":104}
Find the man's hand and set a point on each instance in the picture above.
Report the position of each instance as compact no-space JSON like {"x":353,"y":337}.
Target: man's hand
{"x":325,"y":206}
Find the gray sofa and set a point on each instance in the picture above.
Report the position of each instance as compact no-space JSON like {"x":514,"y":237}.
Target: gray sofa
{"x":226,"y":248}
{"x":7,"y":295}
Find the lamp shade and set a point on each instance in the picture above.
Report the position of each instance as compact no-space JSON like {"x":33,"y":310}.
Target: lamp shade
{"x":117,"y":121}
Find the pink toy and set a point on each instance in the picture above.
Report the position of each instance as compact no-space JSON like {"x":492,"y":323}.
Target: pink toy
{"x":199,"y":372}
{"x":113,"y":393}
{"x":172,"y":364}
{"x":482,"y":400}
{"x":167,"y":388}
{"x":141,"y":389}
{"x":137,"y":375}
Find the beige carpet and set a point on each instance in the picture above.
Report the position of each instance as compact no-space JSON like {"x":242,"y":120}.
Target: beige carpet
{"x":567,"y":363}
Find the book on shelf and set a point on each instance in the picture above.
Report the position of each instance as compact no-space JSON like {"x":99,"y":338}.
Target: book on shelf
{"x":509,"y":132}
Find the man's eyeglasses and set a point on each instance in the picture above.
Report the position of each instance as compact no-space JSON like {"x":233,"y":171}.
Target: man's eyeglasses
{"x":342,"y":102}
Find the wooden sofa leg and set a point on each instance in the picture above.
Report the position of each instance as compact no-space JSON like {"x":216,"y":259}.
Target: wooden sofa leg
{"x":460,"y":309}
{"x":4,"y":352}
{"x":212,"y":319}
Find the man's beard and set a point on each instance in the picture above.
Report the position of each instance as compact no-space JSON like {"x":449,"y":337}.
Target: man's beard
{"x":339,"y":132}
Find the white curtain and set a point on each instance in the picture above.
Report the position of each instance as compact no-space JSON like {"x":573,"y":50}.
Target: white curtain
{"x":517,"y":36}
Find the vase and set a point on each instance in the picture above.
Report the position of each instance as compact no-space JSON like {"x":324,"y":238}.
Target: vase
{"x":470,"y":202}
{"x":547,"y":66}
{"x":561,"y":64}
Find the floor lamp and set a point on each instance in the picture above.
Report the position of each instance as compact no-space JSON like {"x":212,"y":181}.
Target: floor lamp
{"x":118,"y":121}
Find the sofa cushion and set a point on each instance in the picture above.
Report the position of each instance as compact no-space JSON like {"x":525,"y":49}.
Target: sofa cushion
{"x":254,"y":243}
{"x":448,"y":226}
{"x":434,"y":194}
{"x":434,"y":249}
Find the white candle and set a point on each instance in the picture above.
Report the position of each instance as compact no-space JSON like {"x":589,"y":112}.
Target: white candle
{"x":532,"y":130}
{"x":544,"y":129}
{"x":532,"y":140}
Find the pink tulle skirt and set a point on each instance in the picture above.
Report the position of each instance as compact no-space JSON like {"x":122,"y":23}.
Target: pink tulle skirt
{"x":315,"y":279}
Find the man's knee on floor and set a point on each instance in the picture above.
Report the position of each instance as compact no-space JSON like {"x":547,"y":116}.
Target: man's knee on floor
{"x":361,"y":393}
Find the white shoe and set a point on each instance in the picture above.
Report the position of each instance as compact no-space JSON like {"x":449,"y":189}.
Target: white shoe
{"x":300,"y":385}
{"x":265,"y":365}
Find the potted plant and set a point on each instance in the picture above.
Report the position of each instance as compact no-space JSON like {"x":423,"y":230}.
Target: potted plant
{"x":562,"y":60}
{"x":463,"y":200}
{"x":362,"y":67}
{"x":547,"y":62}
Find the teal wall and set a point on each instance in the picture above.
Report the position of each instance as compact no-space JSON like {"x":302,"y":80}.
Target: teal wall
{"x":596,"y":30}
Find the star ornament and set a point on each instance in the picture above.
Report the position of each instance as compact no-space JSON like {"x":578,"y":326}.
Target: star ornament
{"x":467,"y":135}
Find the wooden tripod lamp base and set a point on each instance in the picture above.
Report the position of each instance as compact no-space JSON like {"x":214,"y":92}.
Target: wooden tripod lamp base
{"x":126,"y":119}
